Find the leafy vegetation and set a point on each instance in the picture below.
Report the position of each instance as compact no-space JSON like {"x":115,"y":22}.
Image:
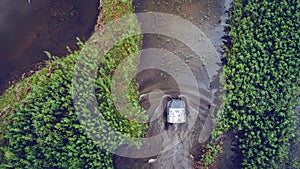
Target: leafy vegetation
{"x":45,"y":131}
{"x":11,"y":100}
{"x":262,"y":74}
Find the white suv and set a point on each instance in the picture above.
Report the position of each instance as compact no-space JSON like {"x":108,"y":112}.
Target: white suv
{"x":176,"y":111}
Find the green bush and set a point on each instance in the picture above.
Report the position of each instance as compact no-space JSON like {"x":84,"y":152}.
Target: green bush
{"x":45,"y":130}
{"x":262,"y":72}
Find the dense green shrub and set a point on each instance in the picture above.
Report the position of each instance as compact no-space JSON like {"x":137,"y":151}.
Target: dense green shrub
{"x":262,"y":72}
{"x":45,"y":130}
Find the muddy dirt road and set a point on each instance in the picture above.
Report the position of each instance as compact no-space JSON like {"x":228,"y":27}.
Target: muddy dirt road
{"x":170,"y":68}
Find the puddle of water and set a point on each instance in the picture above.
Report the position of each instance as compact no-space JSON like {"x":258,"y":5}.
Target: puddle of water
{"x":27,"y":30}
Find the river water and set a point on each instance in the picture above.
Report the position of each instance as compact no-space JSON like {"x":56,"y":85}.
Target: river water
{"x":29,"y":29}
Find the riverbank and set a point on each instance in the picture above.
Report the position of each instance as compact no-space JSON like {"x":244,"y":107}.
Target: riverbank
{"x":54,"y":28}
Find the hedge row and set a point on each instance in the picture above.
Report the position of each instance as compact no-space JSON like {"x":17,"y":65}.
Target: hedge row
{"x":262,"y":73}
{"x":45,"y":130}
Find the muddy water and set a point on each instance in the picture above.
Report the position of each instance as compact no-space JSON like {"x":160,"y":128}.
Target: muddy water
{"x":177,"y":144}
{"x":27,"y":30}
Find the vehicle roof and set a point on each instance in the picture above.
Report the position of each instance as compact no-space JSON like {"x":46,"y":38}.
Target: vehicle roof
{"x":176,"y":103}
